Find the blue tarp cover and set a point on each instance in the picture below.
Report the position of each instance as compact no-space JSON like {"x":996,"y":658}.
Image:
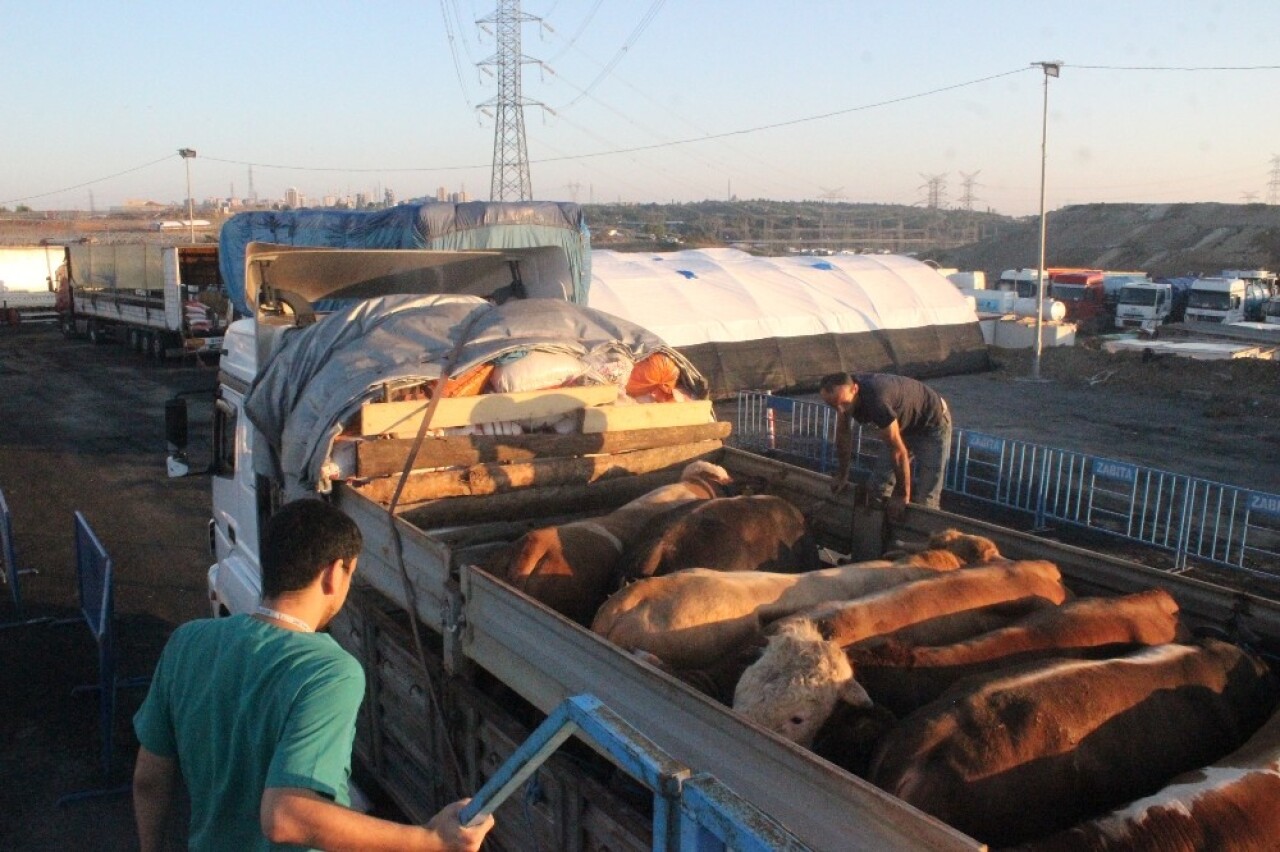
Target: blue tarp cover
{"x":470,"y":226}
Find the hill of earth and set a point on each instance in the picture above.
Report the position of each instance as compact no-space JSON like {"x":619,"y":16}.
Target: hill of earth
{"x":1160,"y":239}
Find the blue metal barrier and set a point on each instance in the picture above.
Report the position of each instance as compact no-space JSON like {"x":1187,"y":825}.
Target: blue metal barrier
{"x":94,"y":574}
{"x":690,"y":812}
{"x":11,"y":573}
{"x":1189,"y":517}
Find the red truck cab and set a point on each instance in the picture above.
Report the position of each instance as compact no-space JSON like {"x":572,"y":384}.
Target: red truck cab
{"x":1083,"y":291}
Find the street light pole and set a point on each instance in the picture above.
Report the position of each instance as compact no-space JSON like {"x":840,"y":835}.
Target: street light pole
{"x":1051,"y":69}
{"x":187,"y":155}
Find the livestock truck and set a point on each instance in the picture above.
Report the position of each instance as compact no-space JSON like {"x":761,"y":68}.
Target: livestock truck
{"x":461,"y":667}
{"x":160,"y":300}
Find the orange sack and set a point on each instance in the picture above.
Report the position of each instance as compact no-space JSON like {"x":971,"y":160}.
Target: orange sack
{"x":655,"y":376}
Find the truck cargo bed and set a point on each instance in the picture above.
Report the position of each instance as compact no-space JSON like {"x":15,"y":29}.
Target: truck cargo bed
{"x":482,"y":629}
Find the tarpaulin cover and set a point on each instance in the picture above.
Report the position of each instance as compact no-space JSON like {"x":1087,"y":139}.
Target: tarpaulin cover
{"x":469,"y":226}
{"x":318,"y":377}
{"x":783,"y":322}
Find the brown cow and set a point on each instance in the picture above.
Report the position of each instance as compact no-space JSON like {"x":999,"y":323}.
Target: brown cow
{"x":904,"y":679}
{"x":1034,"y":749}
{"x":848,"y":621}
{"x":754,"y":533}
{"x":572,"y":567}
{"x":790,"y":688}
{"x":695,"y":616}
{"x":958,"y":626}
{"x":1229,"y":805}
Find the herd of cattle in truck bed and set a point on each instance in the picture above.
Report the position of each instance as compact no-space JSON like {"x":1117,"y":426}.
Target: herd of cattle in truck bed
{"x":976,"y":688}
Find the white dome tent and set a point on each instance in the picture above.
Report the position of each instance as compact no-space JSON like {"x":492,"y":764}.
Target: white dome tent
{"x":784,"y":322}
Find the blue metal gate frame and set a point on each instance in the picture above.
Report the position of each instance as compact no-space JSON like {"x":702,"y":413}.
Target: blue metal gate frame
{"x":1193,"y":518}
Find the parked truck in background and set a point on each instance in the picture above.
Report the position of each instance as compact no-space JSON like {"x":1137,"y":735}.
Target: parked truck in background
{"x":1260,"y":286}
{"x":161,"y":300}
{"x":461,"y":666}
{"x":1217,"y":300}
{"x":1084,"y":294}
{"x":1144,"y":305}
{"x":28,"y":282}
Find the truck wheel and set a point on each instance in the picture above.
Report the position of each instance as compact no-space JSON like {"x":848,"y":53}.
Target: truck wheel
{"x":135,"y":340}
{"x":95,"y":335}
{"x":157,"y":347}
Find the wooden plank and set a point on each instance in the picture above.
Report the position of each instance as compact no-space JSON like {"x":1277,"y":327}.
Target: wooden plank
{"x":622,"y":417}
{"x":382,"y":457}
{"x":488,"y":479}
{"x":401,"y":419}
{"x":595,"y":498}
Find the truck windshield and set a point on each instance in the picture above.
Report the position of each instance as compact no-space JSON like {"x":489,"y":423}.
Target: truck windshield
{"x":1272,"y":308}
{"x":1068,"y":292}
{"x":1209,"y":300}
{"x":1137,"y":296}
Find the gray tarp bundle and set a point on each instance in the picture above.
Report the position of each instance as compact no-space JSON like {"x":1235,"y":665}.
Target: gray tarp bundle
{"x":318,"y":377}
{"x":457,"y":227}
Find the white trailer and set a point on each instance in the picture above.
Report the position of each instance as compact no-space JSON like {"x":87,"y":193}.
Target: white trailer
{"x":161,"y":300}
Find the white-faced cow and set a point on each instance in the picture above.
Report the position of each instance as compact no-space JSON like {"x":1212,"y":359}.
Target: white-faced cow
{"x":693,"y":617}
{"x":792,"y":680}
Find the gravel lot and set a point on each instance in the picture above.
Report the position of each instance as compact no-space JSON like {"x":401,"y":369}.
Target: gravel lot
{"x":81,"y":428}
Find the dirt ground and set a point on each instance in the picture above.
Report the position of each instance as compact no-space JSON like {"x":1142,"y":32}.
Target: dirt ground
{"x":81,"y":428}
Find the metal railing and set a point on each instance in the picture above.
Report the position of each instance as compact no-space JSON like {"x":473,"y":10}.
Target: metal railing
{"x":1189,"y":517}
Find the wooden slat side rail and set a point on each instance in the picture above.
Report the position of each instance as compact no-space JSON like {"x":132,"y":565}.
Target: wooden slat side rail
{"x":490,"y":479}
{"x":401,"y":419}
{"x":616,"y":418}
{"x":596,"y":498}
{"x":384,"y":457}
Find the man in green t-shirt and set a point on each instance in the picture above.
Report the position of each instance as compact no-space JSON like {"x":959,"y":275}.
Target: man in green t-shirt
{"x":257,"y":712}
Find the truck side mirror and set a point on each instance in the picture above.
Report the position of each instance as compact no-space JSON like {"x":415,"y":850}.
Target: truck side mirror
{"x":175,"y":435}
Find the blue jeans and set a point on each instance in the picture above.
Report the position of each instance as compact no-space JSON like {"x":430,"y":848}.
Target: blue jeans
{"x":930,"y":451}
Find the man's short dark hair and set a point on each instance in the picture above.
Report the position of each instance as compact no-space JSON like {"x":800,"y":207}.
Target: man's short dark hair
{"x":300,"y":541}
{"x":831,"y":381}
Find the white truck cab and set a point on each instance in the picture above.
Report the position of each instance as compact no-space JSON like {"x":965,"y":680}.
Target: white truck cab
{"x":1219,"y":300}
{"x":290,"y":280}
{"x":1144,"y":305}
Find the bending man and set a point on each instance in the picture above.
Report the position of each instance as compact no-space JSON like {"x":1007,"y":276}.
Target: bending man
{"x":914,"y":423}
{"x":257,"y":712}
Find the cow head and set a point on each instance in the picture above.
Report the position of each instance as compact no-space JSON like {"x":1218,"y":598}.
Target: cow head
{"x":711,"y":476}
{"x":972,"y":549}
{"x":794,"y":686}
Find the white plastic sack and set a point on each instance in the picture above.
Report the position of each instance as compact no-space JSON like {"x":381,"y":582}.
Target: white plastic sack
{"x":536,"y":371}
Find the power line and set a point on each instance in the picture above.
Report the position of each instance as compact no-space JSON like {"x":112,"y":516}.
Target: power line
{"x":1175,"y":67}
{"x":453,"y":50}
{"x":88,"y":182}
{"x":626,"y":45}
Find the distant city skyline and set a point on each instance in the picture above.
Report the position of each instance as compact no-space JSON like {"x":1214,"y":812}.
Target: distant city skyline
{"x":877,"y":102}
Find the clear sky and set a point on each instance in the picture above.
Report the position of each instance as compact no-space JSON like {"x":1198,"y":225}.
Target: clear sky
{"x":861,"y":100}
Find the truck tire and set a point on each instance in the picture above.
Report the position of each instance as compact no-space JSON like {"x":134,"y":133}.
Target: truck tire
{"x":158,"y":346}
{"x":135,"y":340}
{"x":96,"y":336}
